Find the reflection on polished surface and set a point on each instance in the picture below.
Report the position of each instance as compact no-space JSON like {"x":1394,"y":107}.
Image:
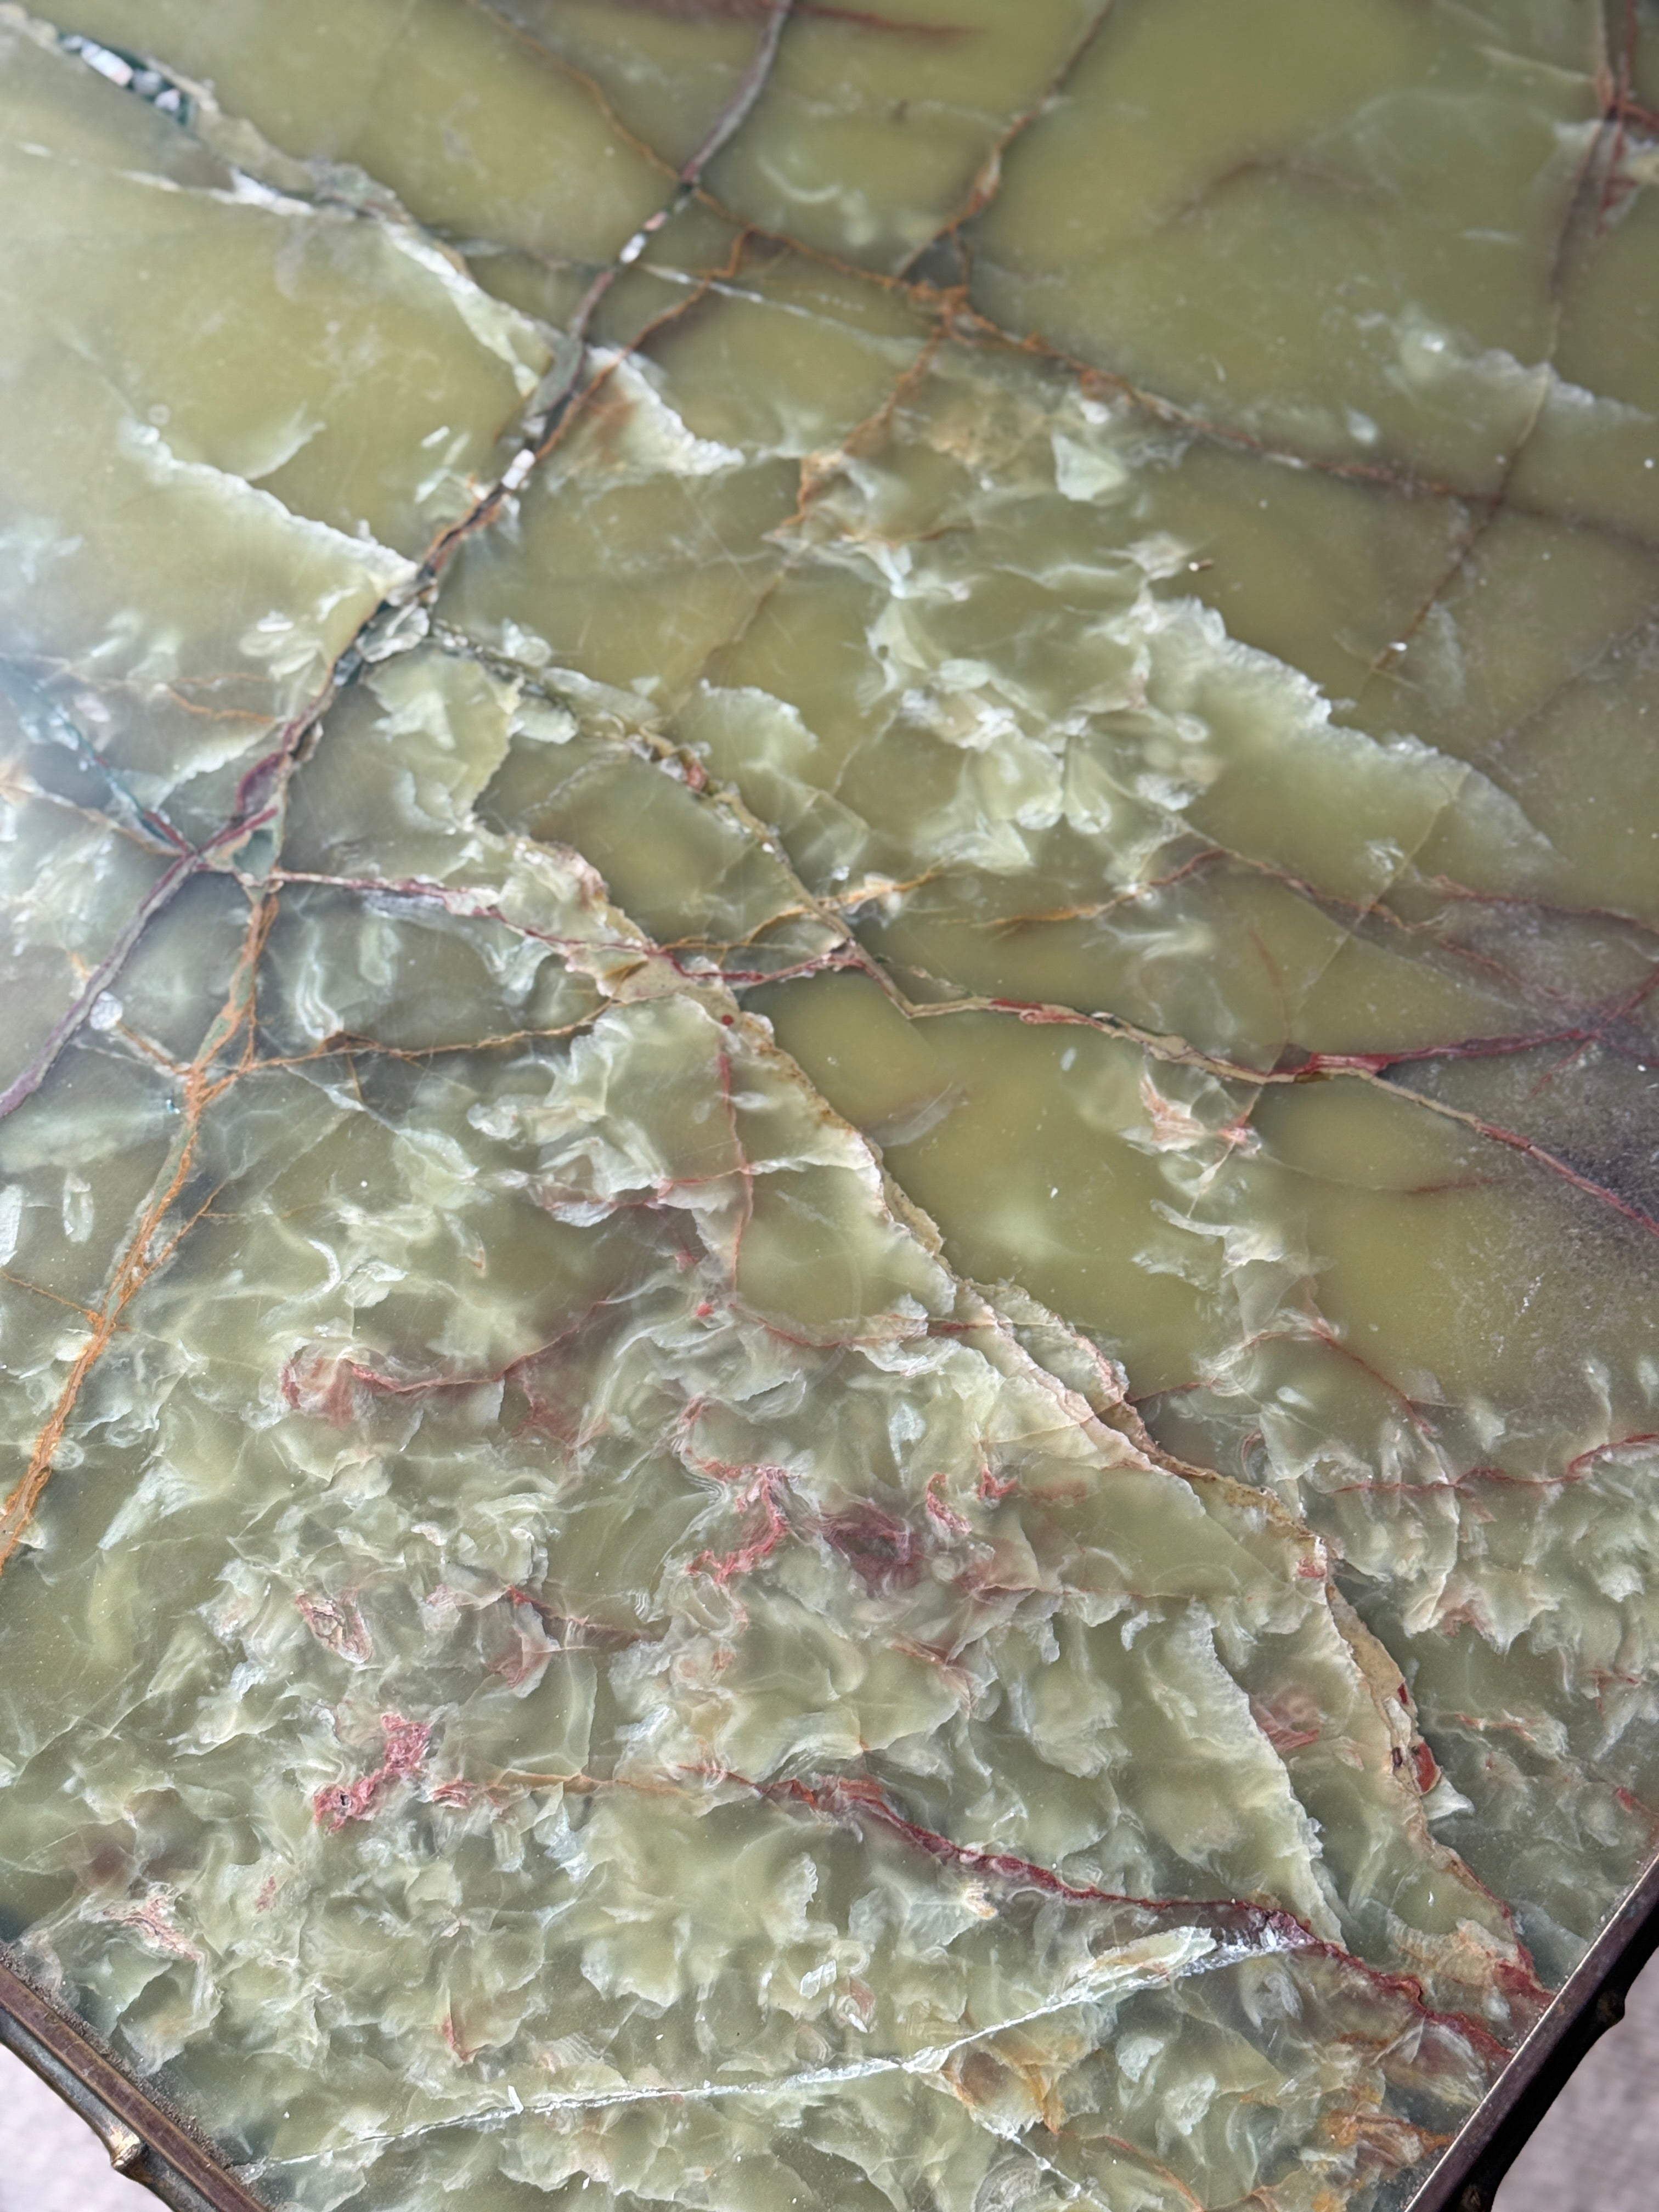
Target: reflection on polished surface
{"x":829,"y":1190}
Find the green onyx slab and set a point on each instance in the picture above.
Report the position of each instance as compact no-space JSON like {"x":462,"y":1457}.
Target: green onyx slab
{"x":828,"y":1217}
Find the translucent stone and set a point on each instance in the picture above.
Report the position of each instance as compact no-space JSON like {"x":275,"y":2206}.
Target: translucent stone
{"x":829,"y":1223}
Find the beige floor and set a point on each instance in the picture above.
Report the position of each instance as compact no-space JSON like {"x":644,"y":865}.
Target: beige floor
{"x":1599,"y":2149}
{"x":1597,"y":2152}
{"x":50,"y":2162}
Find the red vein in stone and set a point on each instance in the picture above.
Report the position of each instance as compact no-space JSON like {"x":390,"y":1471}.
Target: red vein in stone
{"x":1366,"y":1067}
{"x":849,"y":1800}
{"x":987,"y":178}
{"x":406,"y":1743}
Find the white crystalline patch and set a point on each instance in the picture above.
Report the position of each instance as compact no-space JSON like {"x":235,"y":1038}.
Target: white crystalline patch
{"x":1185,"y":2103}
{"x":250,"y":192}
{"x":1442,"y":1801}
{"x":106,"y":64}
{"x":957,"y":709}
{"x":768,"y":724}
{"x":1088,"y":472}
{"x":524,"y":645}
{"x":1135,"y":2053}
{"x":77,"y":1208}
{"x":652,"y":440}
{"x":542,"y":723}
{"x":143,"y":444}
{"x":502,"y":331}
{"x":1591,"y":409}
{"x":163,"y":1489}
{"x":1161,"y":555}
{"x":32,"y":545}
{"x":1188,"y":646}
{"x":1431,"y":361}
{"x":125,"y":633}
{"x":272,"y":639}
{"x":447,"y":473}
{"x":1495,"y":818}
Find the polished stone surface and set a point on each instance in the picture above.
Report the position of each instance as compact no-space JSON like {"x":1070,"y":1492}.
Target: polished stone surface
{"x":830,"y":1193}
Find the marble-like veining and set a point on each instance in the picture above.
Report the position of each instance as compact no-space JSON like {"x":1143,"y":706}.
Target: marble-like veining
{"x":828,"y":1193}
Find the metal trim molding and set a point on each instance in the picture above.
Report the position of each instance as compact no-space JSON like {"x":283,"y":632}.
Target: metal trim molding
{"x":145,"y":2139}
{"x":153,"y":2145}
{"x":1590,"y":2000}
